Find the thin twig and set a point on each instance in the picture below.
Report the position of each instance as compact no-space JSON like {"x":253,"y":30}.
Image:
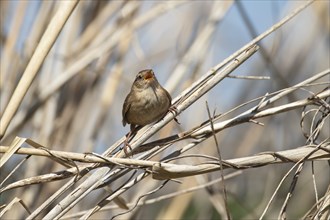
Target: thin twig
{"x":223,"y":184}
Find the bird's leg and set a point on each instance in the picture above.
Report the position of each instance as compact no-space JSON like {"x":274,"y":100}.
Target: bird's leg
{"x":127,"y":145}
{"x":174,"y":111}
{"x":129,"y":136}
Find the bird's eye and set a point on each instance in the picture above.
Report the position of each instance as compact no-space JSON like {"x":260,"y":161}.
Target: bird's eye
{"x":139,"y":76}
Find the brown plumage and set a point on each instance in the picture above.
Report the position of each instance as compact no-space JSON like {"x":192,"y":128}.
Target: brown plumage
{"x":147,"y":101}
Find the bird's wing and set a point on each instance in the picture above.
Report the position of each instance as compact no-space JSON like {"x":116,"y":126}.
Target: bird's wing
{"x":126,"y":107}
{"x":169,"y":96}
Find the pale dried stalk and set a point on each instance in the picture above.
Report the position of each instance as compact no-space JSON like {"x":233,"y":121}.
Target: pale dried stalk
{"x":40,"y":23}
{"x":200,"y":136}
{"x":14,"y":33}
{"x":199,"y":47}
{"x":209,"y":83}
{"x":169,"y":172}
{"x":323,"y":211}
{"x":320,"y":210}
{"x":264,"y":103}
{"x":201,"y":80}
{"x":215,"y":76}
{"x":201,"y":133}
{"x":242,"y":118}
{"x":96,"y":25}
{"x":248,"y":45}
{"x":11,"y":150}
{"x":36,"y":61}
{"x":204,"y":136}
{"x":100,"y":175}
{"x":93,"y":53}
{"x":160,"y":198}
{"x":12,"y":204}
{"x":90,"y":55}
{"x":298,"y":163}
{"x":289,"y":106}
{"x":262,"y":159}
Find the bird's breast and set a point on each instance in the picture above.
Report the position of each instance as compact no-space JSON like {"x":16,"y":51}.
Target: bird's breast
{"x":149,"y":106}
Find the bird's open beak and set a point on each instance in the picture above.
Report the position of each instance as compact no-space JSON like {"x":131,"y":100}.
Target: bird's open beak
{"x":149,"y":76}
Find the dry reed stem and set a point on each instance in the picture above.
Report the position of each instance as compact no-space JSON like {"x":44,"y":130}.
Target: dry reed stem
{"x":200,"y":46}
{"x":89,"y":55}
{"x":160,"y":198}
{"x":245,"y":118}
{"x":221,"y":162}
{"x":72,"y":114}
{"x":46,"y":43}
{"x":11,"y":40}
{"x":164,"y":170}
{"x":89,"y":184}
{"x":97,"y":178}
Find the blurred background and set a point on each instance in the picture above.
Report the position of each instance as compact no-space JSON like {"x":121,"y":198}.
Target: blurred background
{"x":75,"y":102}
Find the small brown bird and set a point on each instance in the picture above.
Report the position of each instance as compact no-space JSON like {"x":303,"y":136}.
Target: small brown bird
{"x":147,"y":101}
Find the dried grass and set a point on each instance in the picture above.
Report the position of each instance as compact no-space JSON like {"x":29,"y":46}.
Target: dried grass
{"x":62,"y":88}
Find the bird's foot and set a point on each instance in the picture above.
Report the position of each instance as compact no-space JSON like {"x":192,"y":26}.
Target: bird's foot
{"x":127,"y":148}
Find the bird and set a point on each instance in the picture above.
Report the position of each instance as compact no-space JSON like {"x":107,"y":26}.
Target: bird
{"x":147,"y":102}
